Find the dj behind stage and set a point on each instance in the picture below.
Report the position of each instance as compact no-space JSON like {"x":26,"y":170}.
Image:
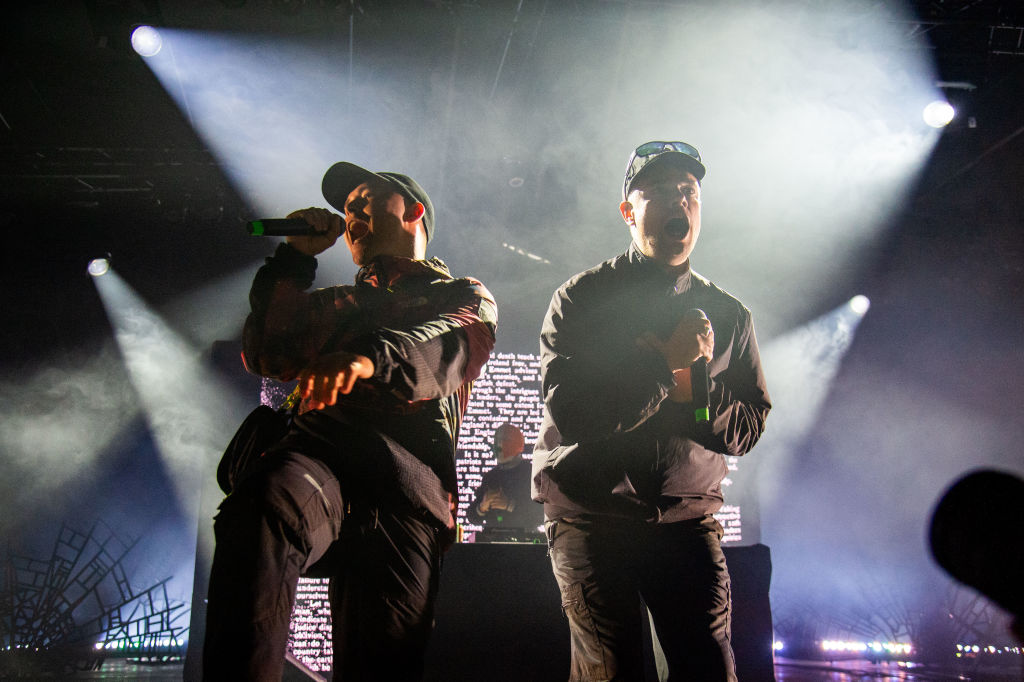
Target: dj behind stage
{"x":503,"y":504}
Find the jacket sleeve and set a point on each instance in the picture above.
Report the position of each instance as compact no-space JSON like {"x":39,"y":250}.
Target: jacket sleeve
{"x":286,"y":326}
{"x":435,"y":358}
{"x":738,"y":397}
{"x":590,"y":391}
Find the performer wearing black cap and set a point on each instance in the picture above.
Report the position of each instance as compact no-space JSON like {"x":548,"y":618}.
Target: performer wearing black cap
{"x":362,"y":489}
{"x":631,"y":453}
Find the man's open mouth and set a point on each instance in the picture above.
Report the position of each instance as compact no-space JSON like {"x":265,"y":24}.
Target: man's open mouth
{"x":357,"y":229}
{"x":677,"y":228}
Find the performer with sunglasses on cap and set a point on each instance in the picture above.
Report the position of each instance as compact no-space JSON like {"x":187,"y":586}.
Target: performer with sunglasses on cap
{"x":651,"y":375}
{"x":362,"y":489}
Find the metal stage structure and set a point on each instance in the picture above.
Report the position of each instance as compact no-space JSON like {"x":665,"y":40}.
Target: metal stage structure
{"x":73,"y":610}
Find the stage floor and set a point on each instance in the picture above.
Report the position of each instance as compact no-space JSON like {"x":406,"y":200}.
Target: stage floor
{"x":785,"y":671}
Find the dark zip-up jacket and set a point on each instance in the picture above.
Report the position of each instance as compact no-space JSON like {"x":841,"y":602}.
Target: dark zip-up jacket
{"x":610,"y":442}
{"x":513,"y":480}
{"x":428,"y":335}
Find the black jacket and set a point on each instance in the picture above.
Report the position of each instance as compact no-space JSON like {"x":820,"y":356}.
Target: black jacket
{"x":610,"y":441}
{"x":513,"y":480}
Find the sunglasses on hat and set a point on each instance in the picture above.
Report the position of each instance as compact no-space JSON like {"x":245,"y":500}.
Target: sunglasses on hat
{"x":649,"y":151}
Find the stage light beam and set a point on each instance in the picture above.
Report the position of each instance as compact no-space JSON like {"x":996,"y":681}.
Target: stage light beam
{"x":188,"y":410}
{"x":800,"y":367}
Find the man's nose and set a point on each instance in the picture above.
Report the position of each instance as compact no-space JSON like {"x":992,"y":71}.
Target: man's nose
{"x":358,"y":206}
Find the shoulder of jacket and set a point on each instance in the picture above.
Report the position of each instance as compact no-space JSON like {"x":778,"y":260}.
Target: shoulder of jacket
{"x":466,"y":283}
{"x":609,"y":270}
{"x":719,"y":295}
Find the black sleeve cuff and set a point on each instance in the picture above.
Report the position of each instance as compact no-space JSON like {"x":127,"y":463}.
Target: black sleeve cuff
{"x":289,"y":261}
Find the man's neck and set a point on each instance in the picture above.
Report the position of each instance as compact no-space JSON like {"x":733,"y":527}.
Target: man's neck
{"x":676,"y":270}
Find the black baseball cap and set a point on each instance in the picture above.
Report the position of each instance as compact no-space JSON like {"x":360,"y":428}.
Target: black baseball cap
{"x":343,"y":177}
{"x":648,"y":152}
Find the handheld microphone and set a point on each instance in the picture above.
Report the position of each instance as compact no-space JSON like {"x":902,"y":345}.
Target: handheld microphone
{"x":279,"y":227}
{"x":699,"y":381}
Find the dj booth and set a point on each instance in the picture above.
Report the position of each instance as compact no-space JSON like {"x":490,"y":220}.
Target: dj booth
{"x":499,"y":618}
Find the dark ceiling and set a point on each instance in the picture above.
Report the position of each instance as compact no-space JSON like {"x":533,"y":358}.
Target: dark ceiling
{"x":97,"y":155}
{"x":83,"y":119}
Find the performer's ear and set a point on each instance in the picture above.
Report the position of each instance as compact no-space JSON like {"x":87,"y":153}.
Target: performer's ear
{"x":414,"y":212}
{"x":626,"y":209}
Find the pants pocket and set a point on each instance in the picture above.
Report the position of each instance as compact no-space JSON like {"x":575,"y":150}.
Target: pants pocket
{"x":572,"y":600}
{"x":589,"y":660}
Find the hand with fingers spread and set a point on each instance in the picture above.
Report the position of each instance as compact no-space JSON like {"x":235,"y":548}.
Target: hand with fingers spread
{"x":332,"y":374}
{"x":328,"y":226}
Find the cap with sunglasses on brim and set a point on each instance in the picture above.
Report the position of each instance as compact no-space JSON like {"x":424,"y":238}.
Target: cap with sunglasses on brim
{"x":648,"y":152}
{"x":343,"y":177}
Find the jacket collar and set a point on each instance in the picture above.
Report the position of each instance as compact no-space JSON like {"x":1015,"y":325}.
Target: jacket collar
{"x":384,"y":271}
{"x":657,"y":275}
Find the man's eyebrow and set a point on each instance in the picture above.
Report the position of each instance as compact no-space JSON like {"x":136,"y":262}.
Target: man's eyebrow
{"x":682,"y":181}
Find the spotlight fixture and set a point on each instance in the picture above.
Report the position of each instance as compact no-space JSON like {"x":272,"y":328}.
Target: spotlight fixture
{"x":860,"y":304}
{"x":938,"y":114}
{"x":146,"y":41}
{"x":98,"y":266}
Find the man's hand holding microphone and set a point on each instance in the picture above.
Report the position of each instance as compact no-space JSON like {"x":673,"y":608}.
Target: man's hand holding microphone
{"x":338,"y":372}
{"x":686,"y":351}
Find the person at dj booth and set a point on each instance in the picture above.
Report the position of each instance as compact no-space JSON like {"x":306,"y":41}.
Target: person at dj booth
{"x":362,"y":489}
{"x":650,"y":376}
{"x":503,"y":504}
